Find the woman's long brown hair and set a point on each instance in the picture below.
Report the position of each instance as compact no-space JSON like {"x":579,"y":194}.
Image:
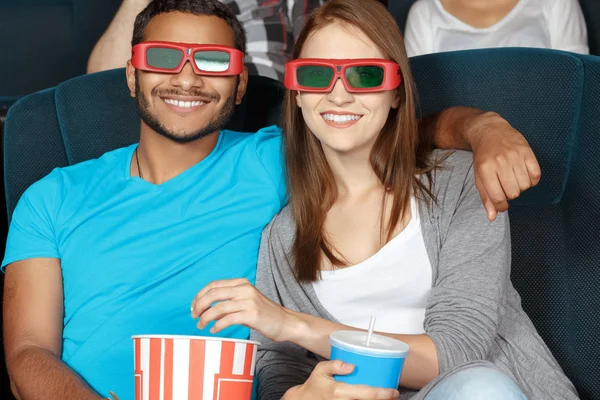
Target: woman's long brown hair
{"x":397,"y":156}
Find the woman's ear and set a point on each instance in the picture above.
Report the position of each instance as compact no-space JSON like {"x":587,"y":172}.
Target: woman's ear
{"x":396,"y":101}
{"x":298,"y":99}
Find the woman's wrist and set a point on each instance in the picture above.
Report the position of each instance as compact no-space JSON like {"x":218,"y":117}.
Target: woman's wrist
{"x":309,"y":332}
{"x":292,"y":393}
{"x":295,"y":327}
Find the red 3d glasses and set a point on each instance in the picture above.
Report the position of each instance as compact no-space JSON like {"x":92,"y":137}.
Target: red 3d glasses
{"x":359,"y":75}
{"x":170,"y":57}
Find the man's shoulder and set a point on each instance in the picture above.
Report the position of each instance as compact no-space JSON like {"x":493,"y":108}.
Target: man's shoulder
{"x":256,"y":139}
{"x":265,"y":146}
{"x":83,"y":173}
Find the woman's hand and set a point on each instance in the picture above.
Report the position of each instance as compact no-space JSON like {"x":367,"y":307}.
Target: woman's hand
{"x":321,"y":386}
{"x":238,"y":302}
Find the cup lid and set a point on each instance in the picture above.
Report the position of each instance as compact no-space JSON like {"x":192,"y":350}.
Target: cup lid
{"x":380,"y":346}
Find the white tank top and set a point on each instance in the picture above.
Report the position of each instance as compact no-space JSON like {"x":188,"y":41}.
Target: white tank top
{"x":551,"y":24}
{"x":393,"y":285}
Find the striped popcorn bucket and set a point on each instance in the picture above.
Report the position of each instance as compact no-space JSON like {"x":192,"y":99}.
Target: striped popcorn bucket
{"x":171,"y":367}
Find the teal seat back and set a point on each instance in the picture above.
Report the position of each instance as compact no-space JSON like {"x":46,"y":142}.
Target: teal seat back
{"x":551,"y":97}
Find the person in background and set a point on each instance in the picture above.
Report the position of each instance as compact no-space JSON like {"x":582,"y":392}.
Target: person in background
{"x":271,"y":28}
{"x":378,"y":224}
{"x":435,"y":26}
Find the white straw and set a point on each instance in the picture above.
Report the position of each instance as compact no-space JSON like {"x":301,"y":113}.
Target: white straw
{"x":370,"y":333}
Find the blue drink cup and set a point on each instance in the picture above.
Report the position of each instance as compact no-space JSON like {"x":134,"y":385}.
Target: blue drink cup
{"x":378,"y":365}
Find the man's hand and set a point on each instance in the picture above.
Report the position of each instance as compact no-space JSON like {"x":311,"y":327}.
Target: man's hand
{"x":505,"y":165}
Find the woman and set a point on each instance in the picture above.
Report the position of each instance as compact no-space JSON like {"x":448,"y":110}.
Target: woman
{"x":379,"y":225}
{"x":433,"y":26}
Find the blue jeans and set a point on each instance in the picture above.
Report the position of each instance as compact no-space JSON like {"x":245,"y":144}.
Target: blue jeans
{"x":476,"y":383}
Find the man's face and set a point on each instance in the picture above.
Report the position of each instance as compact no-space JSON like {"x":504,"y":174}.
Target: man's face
{"x":184,"y":107}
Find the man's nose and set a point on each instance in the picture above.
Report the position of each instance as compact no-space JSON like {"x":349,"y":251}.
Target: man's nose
{"x":186,"y":78}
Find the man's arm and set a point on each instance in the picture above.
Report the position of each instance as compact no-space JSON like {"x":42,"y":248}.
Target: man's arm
{"x":33,"y":321}
{"x":504,"y":163}
{"x":114,"y":47}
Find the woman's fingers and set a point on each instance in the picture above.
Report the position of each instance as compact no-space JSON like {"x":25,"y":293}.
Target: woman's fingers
{"x":221,"y":284}
{"x":203,"y":303}
{"x":220,"y":310}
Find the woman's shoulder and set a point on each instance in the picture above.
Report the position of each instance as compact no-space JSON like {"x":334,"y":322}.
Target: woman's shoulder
{"x":452,"y":178}
{"x":282,"y":226}
{"x":451,"y":164}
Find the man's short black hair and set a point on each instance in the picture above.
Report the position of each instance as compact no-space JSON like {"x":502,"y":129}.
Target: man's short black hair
{"x":196,"y":7}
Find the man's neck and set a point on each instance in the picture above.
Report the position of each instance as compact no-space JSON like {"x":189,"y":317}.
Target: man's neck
{"x":161,"y":159}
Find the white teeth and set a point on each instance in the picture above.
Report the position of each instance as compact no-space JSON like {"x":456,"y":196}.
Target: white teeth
{"x":341,"y":118}
{"x":183,"y":104}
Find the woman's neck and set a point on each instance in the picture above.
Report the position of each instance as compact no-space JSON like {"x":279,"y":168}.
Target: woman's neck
{"x":353,"y":172}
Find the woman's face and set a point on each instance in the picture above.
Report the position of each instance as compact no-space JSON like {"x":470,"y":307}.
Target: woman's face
{"x":344,"y":122}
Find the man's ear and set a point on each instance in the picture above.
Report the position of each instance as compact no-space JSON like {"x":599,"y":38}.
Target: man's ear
{"x":130,"y":71}
{"x":242,"y":86}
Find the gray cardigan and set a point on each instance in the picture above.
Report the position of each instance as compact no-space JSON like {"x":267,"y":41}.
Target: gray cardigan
{"x":473,"y":315}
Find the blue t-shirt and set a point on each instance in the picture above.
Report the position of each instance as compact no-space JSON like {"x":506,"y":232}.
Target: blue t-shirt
{"x":134,"y":254}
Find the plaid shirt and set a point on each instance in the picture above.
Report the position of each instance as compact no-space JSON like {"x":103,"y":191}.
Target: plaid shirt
{"x":271,"y":26}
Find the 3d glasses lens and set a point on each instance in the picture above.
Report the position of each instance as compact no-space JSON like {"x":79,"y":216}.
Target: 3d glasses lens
{"x":212,"y":61}
{"x":314,"y":76}
{"x":160,"y":57}
{"x":365,"y":77}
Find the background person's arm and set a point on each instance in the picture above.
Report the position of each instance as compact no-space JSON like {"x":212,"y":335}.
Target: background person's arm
{"x":504,"y":163}
{"x":33,"y":322}
{"x":113,"y":49}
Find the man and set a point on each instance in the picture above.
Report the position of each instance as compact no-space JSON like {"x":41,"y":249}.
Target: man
{"x":118,"y":246}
